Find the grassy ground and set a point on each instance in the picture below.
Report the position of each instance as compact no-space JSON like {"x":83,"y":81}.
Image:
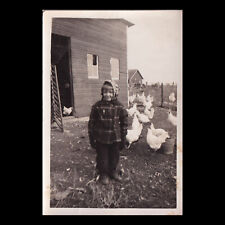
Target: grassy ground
{"x":149,"y":178}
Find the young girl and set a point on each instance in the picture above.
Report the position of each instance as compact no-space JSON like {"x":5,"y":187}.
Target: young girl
{"x":107,"y":129}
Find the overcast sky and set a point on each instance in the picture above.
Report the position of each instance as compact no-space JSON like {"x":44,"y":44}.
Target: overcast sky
{"x":154,"y":41}
{"x":155,"y":45}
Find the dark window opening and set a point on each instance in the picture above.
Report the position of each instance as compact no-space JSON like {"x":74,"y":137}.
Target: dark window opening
{"x":94,"y":60}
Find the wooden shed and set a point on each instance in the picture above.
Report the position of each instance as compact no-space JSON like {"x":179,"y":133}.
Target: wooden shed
{"x":86,"y":52}
{"x":134,"y":78}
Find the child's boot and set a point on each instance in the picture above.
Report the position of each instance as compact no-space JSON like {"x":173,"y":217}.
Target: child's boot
{"x":104,"y":179}
{"x":115,"y":176}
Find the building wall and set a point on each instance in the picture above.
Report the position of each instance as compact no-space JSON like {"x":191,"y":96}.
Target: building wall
{"x":101,"y":37}
{"x":135,"y":79}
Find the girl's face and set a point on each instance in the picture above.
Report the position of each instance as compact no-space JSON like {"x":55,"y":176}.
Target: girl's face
{"x":107,"y":93}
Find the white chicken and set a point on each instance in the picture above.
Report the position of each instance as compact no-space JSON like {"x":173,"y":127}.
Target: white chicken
{"x":139,"y":129}
{"x":132,"y":98}
{"x":172,"y":97}
{"x":150,"y":113}
{"x":172,"y":118}
{"x":67,"y":111}
{"x":143,"y":118}
{"x":158,"y":131}
{"x":141,"y":98}
{"x":135,"y":122}
{"x":149,"y":98}
{"x":133,"y":135}
{"x":155,"y":141}
{"x":132,"y":110}
{"x":147,"y":104}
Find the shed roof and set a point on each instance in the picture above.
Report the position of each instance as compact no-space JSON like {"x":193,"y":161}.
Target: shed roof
{"x":129,"y":24}
{"x":126,"y":22}
{"x":132,"y":72}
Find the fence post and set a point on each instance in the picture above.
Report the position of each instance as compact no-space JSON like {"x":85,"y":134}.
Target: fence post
{"x":161,"y":94}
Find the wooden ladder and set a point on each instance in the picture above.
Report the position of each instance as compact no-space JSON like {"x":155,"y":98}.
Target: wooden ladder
{"x":56,"y":110}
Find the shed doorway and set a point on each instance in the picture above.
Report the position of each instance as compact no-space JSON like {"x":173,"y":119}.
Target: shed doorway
{"x":61,"y":57}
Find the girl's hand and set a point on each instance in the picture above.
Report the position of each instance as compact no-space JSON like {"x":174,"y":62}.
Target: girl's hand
{"x":122,"y":145}
{"x":93,"y":144}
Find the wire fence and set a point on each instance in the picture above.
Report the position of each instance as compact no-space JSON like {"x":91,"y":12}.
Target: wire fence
{"x":160,"y":93}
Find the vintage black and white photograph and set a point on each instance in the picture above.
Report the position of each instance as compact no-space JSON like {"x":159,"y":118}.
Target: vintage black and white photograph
{"x":112,"y":112}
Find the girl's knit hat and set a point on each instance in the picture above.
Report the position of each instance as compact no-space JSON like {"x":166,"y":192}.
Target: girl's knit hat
{"x":113,"y":84}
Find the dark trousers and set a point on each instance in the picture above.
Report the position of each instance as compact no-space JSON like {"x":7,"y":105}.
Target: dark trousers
{"x":107,"y":158}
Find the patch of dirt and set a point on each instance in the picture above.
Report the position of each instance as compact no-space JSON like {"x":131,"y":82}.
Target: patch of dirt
{"x":149,"y":178}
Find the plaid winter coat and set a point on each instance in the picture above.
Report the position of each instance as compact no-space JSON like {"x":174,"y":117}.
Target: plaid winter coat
{"x":108,"y":122}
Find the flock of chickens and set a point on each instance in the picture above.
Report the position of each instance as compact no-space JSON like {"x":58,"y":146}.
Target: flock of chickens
{"x":155,"y":137}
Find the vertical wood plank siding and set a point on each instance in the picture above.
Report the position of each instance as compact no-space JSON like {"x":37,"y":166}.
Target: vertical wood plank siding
{"x":105,"y":38}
